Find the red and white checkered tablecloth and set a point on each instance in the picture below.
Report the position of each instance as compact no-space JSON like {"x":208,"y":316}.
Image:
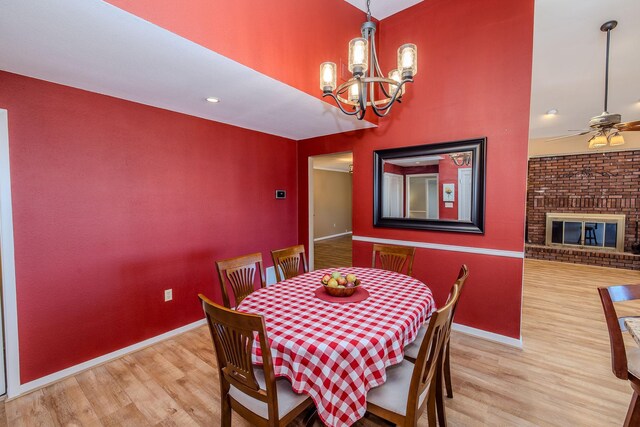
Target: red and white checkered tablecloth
{"x":335,"y":353}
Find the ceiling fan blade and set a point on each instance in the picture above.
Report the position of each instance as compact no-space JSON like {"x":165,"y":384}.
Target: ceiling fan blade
{"x":568,"y":136}
{"x":628,"y":126}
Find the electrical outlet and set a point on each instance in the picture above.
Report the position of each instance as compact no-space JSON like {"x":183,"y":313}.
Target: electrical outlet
{"x":168,"y":295}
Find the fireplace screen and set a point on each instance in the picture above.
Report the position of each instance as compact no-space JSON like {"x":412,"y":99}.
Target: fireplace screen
{"x":586,"y":231}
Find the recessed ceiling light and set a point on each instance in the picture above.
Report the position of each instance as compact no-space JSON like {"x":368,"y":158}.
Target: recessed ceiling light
{"x":213,"y":100}
{"x":552,"y":112}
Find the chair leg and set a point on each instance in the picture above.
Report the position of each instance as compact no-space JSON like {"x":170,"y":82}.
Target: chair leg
{"x":431,"y":406}
{"x":447,"y":373}
{"x":310,"y":417}
{"x":633,"y":414}
{"x":225,"y":410}
{"x":442,"y":417}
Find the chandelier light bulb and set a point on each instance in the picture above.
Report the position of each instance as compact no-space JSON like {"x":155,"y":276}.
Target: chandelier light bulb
{"x":358,"y":56}
{"x":395,"y":75}
{"x":327,"y":76}
{"x":353,"y":92}
{"x":408,"y":59}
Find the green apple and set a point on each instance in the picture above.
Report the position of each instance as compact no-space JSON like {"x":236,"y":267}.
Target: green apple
{"x":335,"y":275}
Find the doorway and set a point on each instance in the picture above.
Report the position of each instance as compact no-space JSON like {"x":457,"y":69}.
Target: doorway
{"x":330,"y":210}
{"x":422,"y":196}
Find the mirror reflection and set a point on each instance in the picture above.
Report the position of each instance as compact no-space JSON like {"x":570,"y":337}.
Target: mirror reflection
{"x":430,"y":187}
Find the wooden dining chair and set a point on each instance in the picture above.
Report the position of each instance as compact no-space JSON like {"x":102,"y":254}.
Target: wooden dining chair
{"x":624,"y":363}
{"x":288,"y":261}
{"x":394,"y":258}
{"x":444,"y":374}
{"x":252,"y":392}
{"x":240,"y":273}
{"x":410,"y":388}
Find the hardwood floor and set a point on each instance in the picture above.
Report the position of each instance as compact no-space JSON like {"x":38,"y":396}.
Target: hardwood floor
{"x":334,"y":252}
{"x":562,"y":377}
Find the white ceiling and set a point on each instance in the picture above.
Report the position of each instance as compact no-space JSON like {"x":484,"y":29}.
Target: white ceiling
{"x":381,"y":9}
{"x":92,"y":45}
{"x":569,"y":62}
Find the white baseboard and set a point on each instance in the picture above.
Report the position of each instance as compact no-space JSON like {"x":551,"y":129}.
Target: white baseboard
{"x":490,"y":336}
{"x":57,"y":376}
{"x":332,"y":236}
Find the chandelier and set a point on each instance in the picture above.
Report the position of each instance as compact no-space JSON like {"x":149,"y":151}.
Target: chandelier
{"x":461,"y":159}
{"x":359,"y":92}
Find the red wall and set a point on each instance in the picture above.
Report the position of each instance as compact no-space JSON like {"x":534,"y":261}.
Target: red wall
{"x":113,"y":202}
{"x":473,"y":80}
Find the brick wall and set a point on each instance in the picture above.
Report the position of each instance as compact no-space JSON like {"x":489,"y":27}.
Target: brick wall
{"x":603,"y":183}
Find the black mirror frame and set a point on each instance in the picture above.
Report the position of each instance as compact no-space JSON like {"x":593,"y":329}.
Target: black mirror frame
{"x":479,"y":148}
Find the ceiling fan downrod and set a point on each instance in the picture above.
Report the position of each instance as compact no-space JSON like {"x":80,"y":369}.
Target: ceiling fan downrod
{"x":607,"y":27}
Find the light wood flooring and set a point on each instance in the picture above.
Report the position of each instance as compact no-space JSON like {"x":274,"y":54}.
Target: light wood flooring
{"x":562,"y":377}
{"x":334,"y":252}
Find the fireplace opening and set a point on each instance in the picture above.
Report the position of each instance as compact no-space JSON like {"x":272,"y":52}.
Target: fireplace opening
{"x":589,"y":231}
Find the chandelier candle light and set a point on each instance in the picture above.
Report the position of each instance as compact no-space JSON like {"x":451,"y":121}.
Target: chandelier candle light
{"x":359,"y":91}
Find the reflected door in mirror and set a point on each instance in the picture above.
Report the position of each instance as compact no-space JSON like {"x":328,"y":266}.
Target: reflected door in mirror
{"x":392,"y":196}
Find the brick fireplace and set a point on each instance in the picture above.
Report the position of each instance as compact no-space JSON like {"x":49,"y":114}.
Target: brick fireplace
{"x":594,"y":183}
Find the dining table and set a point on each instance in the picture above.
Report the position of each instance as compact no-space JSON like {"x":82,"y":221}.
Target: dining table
{"x":336,"y":351}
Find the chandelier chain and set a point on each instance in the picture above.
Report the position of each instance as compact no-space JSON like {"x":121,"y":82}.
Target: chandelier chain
{"x":368,"y":10}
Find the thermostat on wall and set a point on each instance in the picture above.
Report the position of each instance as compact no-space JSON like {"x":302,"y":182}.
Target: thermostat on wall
{"x":281,"y":194}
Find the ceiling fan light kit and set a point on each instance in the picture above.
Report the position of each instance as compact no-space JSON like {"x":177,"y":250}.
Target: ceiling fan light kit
{"x":354,"y":96}
{"x":606,"y":127}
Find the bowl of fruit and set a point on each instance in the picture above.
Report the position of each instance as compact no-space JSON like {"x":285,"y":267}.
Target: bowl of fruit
{"x":339,"y":285}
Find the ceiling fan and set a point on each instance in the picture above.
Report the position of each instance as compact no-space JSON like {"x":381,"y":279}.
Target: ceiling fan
{"x":606,"y":128}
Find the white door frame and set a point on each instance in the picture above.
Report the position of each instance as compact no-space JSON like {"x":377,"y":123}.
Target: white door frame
{"x":310,"y":197}
{"x":10,"y":308}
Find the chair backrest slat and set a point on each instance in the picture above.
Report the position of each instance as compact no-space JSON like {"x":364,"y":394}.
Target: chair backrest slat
{"x":394,"y":258}
{"x":240,"y":274}
{"x":288,"y":261}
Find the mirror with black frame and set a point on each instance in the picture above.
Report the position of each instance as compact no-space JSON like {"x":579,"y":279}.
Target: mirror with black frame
{"x":431,"y":187}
